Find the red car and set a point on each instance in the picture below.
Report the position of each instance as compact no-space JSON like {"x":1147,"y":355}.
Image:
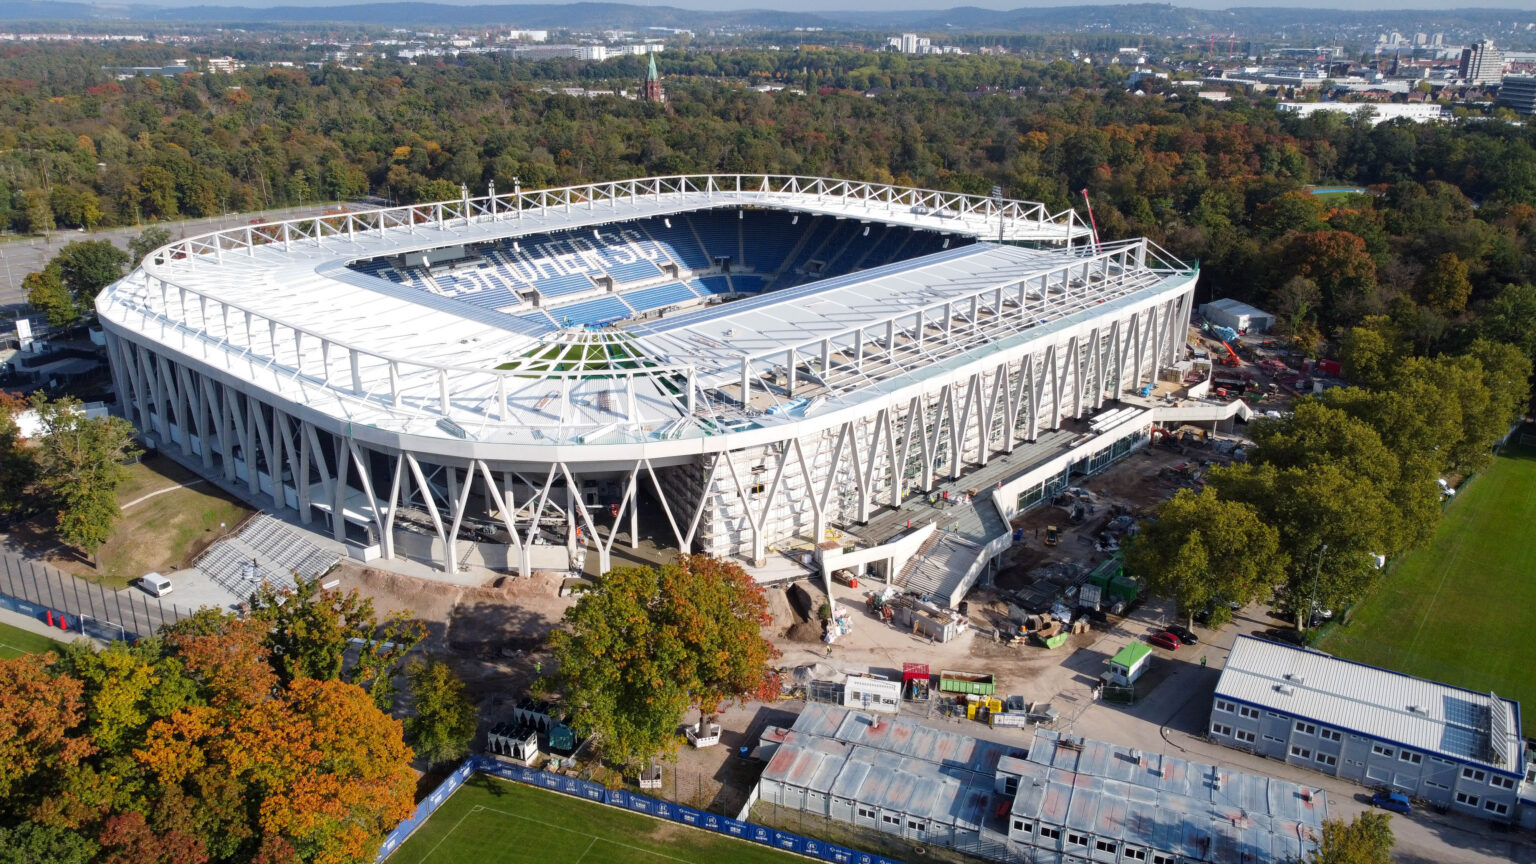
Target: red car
{"x":1165,"y":640}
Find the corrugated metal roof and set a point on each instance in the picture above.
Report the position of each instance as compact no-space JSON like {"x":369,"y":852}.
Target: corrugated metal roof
{"x":1111,"y":792}
{"x":1189,"y":809}
{"x":1412,"y":712}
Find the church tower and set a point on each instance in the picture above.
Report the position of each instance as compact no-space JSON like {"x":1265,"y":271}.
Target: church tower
{"x":651,"y":91}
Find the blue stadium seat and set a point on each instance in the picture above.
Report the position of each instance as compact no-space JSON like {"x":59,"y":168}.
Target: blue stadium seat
{"x":602,"y":310}
{"x":678,"y":242}
{"x":714,"y":284}
{"x":657,"y":296}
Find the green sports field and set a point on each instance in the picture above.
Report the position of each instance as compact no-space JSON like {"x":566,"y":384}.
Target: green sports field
{"x":1463,"y":610}
{"x":491,"y":821}
{"x":15,"y":642}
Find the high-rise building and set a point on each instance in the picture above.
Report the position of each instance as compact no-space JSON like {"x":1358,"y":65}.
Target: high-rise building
{"x":1519,"y":93}
{"x":1481,"y":64}
{"x":651,"y":91}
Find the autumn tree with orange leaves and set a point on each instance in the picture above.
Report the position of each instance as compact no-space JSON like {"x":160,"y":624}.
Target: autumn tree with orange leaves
{"x":193,"y":749}
{"x":649,"y":643}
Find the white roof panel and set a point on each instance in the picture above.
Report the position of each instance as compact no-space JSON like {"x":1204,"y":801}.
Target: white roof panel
{"x":1412,"y":712}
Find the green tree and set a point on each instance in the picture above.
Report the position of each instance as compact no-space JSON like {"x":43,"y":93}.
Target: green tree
{"x":444,"y":720}
{"x":47,"y":294}
{"x":1366,"y":839}
{"x":311,"y":628}
{"x":1200,"y":550}
{"x":17,"y":464}
{"x":1444,"y":285}
{"x":80,"y":466}
{"x":147,"y":241}
{"x":1369,"y":352}
{"x":33,"y":843}
{"x":87,"y":266}
{"x":1332,"y":524}
{"x":650,"y":642}
{"x":36,"y":214}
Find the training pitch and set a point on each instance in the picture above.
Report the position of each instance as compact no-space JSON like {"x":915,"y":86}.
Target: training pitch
{"x":15,"y":642}
{"x":1463,"y":610}
{"x":491,"y":821}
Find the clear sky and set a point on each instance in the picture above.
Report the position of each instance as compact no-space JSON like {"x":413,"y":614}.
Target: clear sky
{"x":889,"y":5}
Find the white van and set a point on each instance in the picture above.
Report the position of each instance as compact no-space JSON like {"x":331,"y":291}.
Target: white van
{"x":155,"y":585}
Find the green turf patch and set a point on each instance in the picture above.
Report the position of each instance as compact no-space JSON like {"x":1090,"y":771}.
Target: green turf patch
{"x":15,"y":642}
{"x":1463,"y":610}
{"x":492,"y":821}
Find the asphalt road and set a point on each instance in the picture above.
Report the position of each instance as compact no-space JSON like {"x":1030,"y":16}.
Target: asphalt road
{"x":22,"y":255}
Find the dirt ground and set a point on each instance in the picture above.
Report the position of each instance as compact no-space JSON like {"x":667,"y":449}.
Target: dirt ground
{"x":492,"y":634}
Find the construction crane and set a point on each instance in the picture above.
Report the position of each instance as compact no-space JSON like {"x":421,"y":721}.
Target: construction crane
{"x":1231,"y":359}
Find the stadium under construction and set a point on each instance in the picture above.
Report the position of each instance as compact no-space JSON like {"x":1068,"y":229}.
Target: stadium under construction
{"x":515,"y":381}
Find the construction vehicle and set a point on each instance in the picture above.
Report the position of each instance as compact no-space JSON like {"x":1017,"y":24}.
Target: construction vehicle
{"x":1231,"y":358}
{"x":1052,"y":535}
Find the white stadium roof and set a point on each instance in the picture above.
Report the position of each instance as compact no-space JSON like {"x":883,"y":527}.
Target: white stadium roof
{"x":1389,"y":706}
{"x":277,"y":305}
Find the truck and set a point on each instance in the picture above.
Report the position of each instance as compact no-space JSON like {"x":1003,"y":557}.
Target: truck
{"x":978,"y":683}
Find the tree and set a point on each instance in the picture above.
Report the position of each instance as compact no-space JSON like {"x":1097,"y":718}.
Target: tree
{"x":331,"y":769}
{"x":80,"y":465}
{"x":650,"y":642}
{"x":1366,"y":839}
{"x":149,"y":240}
{"x":1201,"y":550}
{"x":444,"y":721}
{"x":128,"y":839}
{"x":1445,"y":286}
{"x":1340,"y":265}
{"x":87,"y":266}
{"x":34,"y":843}
{"x":1511,"y":317}
{"x":1332,"y":524}
{"x":36,"y":214}
{"x":47,"y":294}
{"x":1369,"y":352}
{"x":39,"y":712}
{"x":310,"y":629}
{"x":17,"y":465}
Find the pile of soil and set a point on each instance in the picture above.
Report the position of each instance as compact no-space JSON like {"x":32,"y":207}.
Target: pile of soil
{"x":805,"y":626}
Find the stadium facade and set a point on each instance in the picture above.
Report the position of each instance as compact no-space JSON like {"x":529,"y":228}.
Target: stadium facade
{"x":747,"y":359}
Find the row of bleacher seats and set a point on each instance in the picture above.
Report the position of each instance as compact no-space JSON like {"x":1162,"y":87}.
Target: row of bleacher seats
{"x":568,"y":264}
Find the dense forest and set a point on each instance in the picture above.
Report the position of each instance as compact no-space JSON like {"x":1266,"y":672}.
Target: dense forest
{"x":1446,"y":226}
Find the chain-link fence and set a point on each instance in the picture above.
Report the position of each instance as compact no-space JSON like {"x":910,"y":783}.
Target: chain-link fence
{"x":39,"y":591}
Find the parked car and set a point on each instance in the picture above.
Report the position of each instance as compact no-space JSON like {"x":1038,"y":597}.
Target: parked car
{"x":1283,"y":635}
{"x":155,"y":584}
{"x":1397,"y":802}
{"x":1165,"y":640}
{"x":1186,"y":636}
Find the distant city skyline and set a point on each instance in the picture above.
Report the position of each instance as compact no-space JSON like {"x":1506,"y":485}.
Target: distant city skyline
{"x":918,"y":5}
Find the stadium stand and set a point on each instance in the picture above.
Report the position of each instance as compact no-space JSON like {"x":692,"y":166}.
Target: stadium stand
{"x":602,"y":310}
{"x":768,"y":250}
{"x":659,"y":296}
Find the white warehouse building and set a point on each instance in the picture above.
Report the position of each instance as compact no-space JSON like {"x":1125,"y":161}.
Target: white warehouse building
{"x":1453,"y":747}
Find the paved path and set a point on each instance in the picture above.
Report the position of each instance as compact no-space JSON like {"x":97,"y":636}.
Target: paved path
{"x":143,"y":498}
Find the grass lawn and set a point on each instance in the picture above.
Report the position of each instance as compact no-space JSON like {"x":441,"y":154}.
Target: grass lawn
{"x":161,"y":533}
{"x":491,"y":821}
{"x":14,"y":642}
{"x":1463,"y":610}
